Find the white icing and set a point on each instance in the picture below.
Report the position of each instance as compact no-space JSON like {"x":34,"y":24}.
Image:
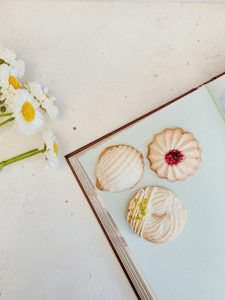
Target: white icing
{"x":119,"y":168}
{"x":149,"y":193}
{"x":165,"y":215}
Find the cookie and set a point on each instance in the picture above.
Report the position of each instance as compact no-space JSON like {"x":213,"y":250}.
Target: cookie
{"x":156,"y":214}
{"x":174,"y":154}
{"x":119,"y":168}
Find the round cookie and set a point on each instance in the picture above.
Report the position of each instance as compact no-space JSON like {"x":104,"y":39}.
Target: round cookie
{"x":156,"y":214}
{"x":174,"y":154}
{"x":119,"y":168}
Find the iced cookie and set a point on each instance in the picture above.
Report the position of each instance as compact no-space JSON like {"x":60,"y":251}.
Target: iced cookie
{"x":119,"y":168}
{"x":156,"y":214}
{"x":174,"y":154}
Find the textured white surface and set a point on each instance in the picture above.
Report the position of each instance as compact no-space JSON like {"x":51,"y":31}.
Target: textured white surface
{"x":106,"y":63}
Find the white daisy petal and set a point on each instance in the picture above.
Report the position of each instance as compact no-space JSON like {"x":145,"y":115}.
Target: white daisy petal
{"x":18,"y":68}
{"x":28,"y":117}
{"x":8,"y":85}
{"x":51,"y":153}
{"x":4,"y":75}
{"x":8,"y":77}
{"x":46,"y":102}
{"x":8,"y":57}
{"x":51,"y":109}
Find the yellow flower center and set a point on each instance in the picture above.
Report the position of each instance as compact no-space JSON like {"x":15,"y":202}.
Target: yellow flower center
{"x":47,"y":96}
{"x":28,"y":112}
{"x":14,"y":82}
{"x":55,"y":148}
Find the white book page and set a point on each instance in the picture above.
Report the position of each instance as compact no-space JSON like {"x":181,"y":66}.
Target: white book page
{"x":216,"y":89}
{"x":193,"y":265}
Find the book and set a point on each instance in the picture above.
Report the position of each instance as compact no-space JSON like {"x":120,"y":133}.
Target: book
{"x":193,"y":265}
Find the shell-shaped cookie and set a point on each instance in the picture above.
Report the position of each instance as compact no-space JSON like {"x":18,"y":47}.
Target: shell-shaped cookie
{"x":119,"y":168}
{"x":174,"y":154}
{"x":156,"y":214}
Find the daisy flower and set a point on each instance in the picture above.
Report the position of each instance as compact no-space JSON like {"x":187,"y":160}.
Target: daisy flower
{"x":26,"y":112}
{"x":8,"y":77}
{"x":51,"y":152}
{"x":47,"y":103}
{"x":8,"y":57}
{"x":8,"y":85}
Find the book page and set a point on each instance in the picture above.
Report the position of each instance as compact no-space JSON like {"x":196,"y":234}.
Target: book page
{"x":216,"y":89}
{"x":191,"y":266}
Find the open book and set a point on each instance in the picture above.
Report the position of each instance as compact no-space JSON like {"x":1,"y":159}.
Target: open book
{"x":193,"y":265}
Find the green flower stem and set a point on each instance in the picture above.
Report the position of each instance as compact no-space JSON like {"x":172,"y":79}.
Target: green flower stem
{"x":5,"y":115}
{"x":21,"y":157}
{"x":7,"y":121}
